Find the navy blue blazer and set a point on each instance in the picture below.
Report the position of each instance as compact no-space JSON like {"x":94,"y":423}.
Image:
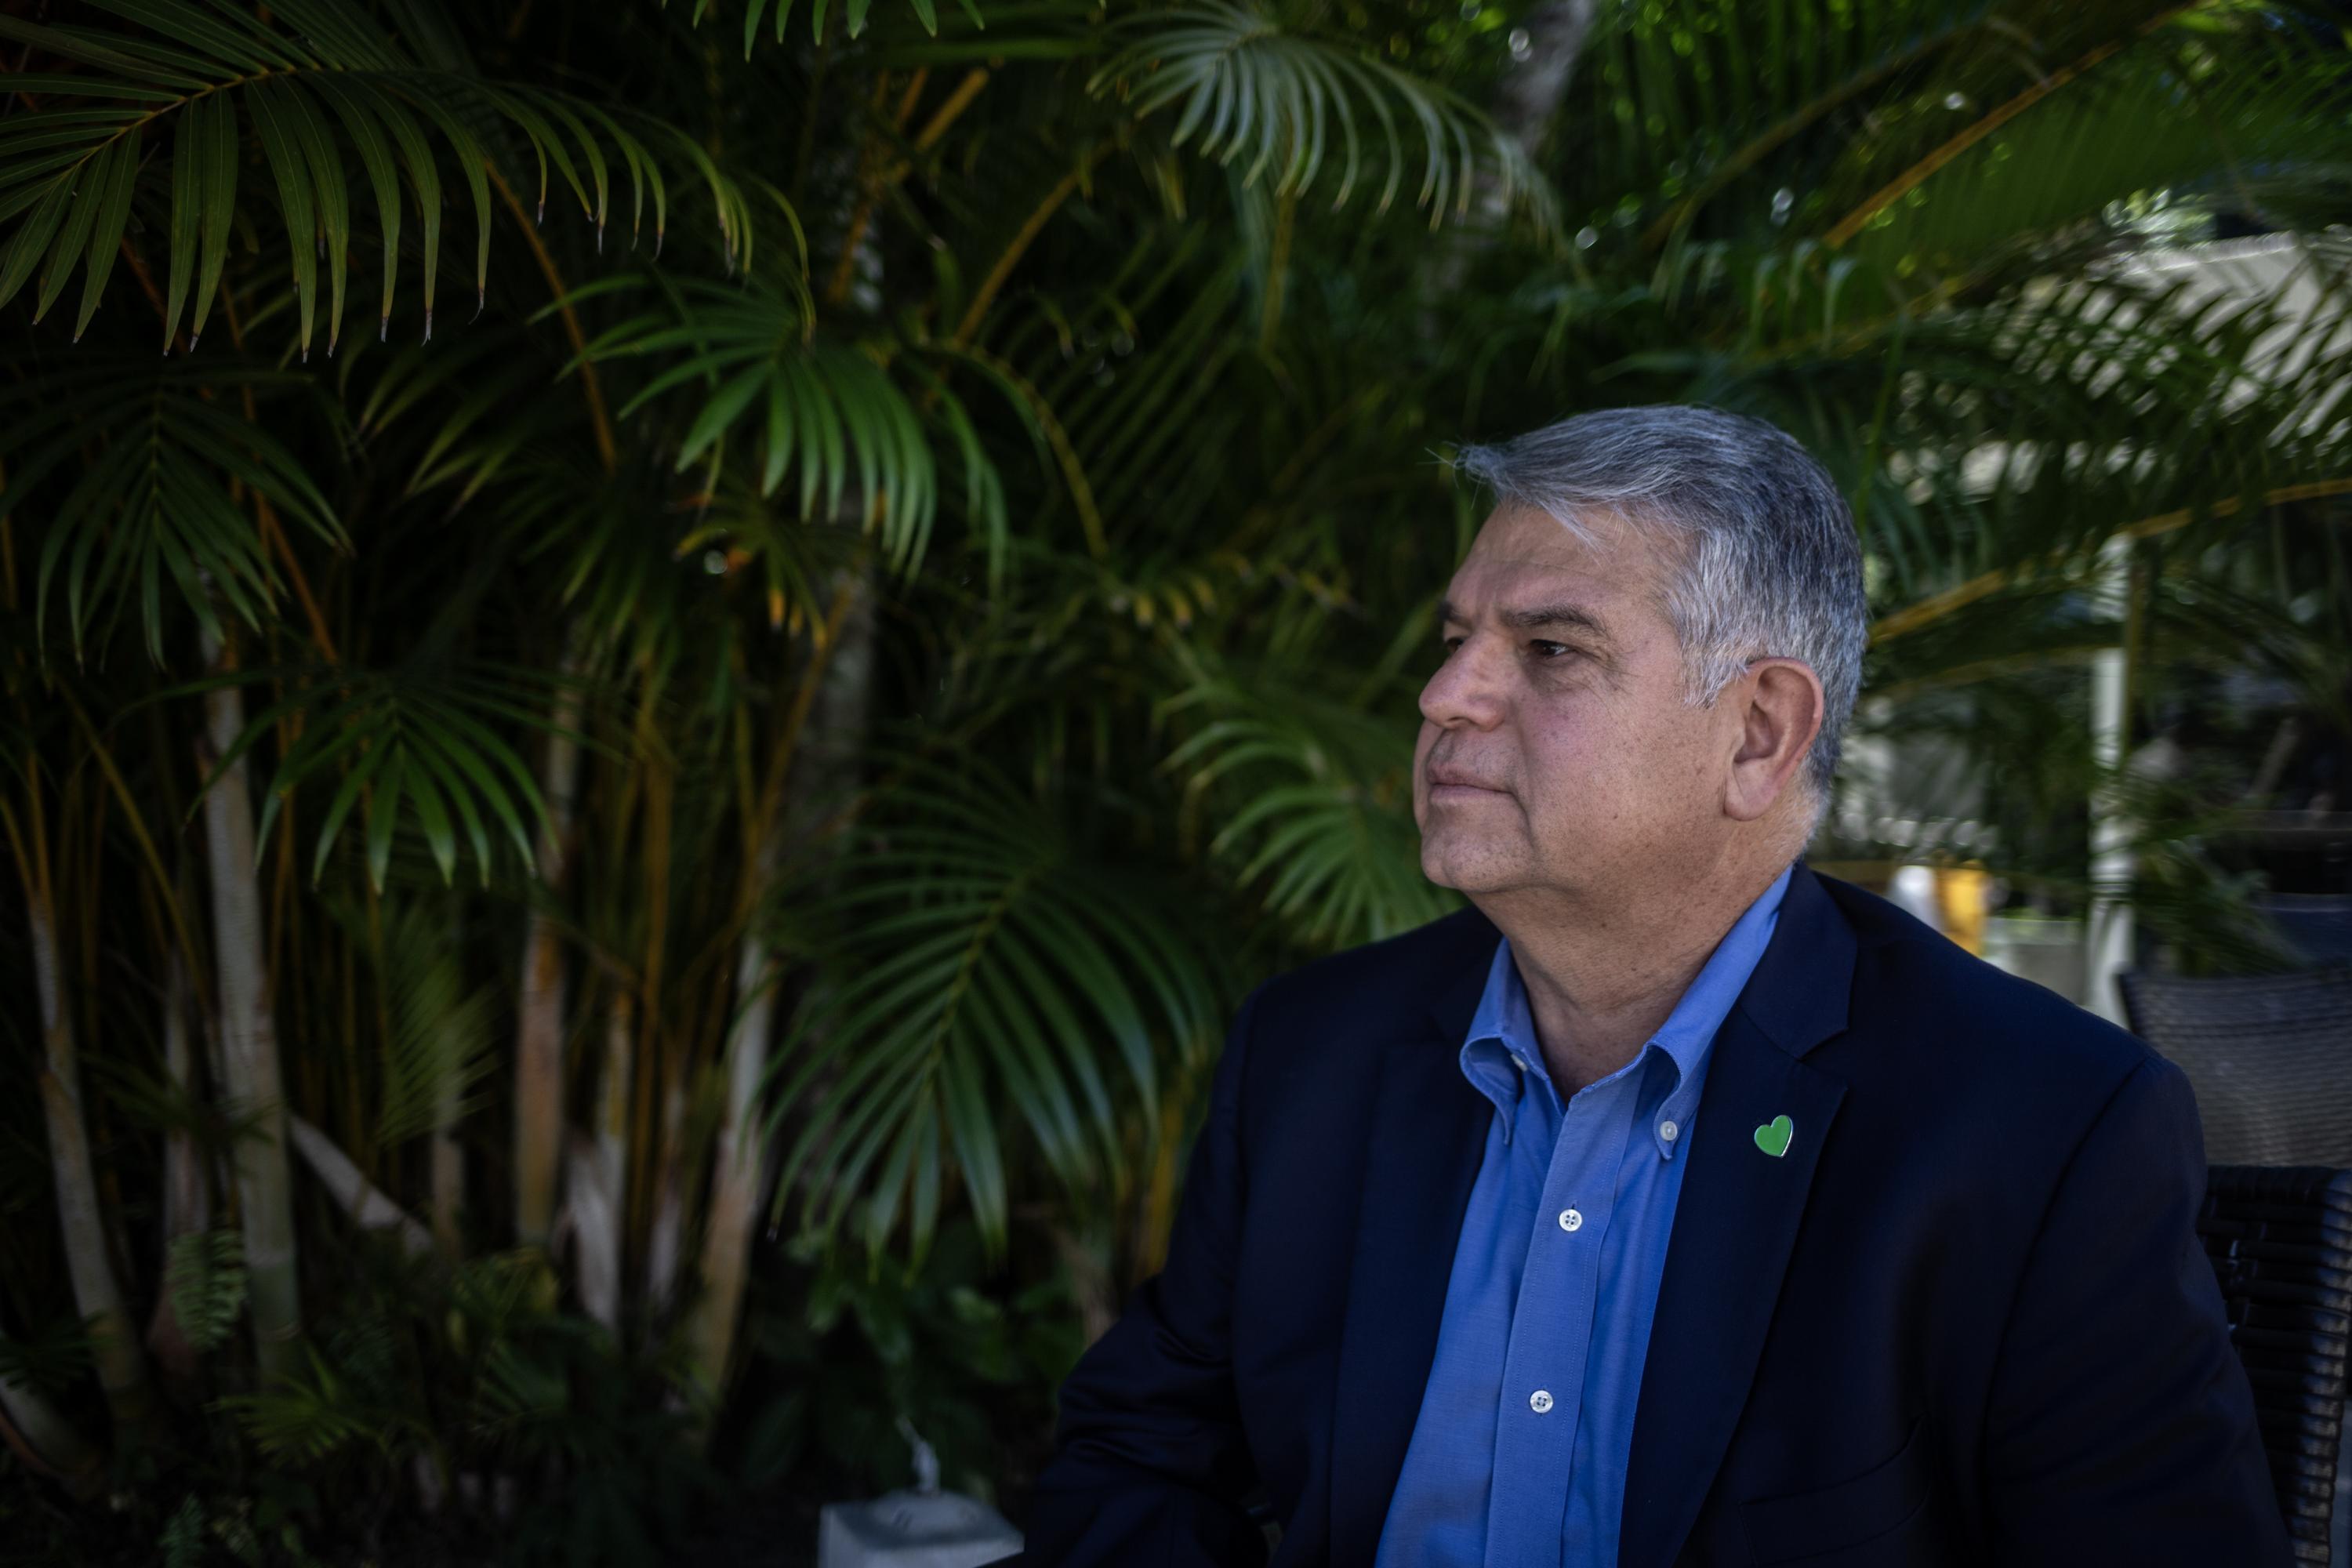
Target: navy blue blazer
{"x":1964,"y":1318}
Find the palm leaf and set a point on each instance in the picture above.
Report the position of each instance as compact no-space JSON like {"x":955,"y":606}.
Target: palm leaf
{"x":334,"y":82}
{"x":1315,"y":803}
{"x":830,"y":411}
{"x":984,"y":975}
{"x":439,"y":1048}
{"x":854,"y":15}
{"x":420,"y":742}
{"x":1249,"y":85}
{"x":151,"y":519}
{"x":204,"y":1283}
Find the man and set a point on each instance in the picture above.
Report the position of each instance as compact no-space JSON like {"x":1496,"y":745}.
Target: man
{"x":1674,"y":1204}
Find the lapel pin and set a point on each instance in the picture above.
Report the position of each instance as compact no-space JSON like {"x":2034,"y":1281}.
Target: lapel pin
{"x":1774,"y":1135}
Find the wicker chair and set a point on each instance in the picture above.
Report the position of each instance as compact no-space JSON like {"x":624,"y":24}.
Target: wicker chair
{"x":2316,"y":925}
{"x":2270,"y":1058}
{"x":2280,"y":1239}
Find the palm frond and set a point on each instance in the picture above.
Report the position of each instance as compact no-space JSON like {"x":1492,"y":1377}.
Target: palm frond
{"x":854,"y":16}
{"x":1249,"y":84}
{"x":439,"y":1048}
{"x":1315,"y":803}
{"x":2209,"y":140}
{"x":419,"y":742}
{"x":982,"y":974}
{"x":204,"y":1281}
{"x":831,"y":411}
{"x":309,"y":1417}
{"x":320,"y":79}
{"x":152,"y":518}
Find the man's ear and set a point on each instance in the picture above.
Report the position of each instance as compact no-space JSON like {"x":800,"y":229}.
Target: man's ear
{"x":1781,"y":712}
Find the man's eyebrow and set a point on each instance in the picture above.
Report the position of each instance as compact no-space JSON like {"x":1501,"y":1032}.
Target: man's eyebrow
{"x":1533,"y":619}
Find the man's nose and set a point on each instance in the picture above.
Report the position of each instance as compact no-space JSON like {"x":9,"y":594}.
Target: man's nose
{"x":1467,"y":689}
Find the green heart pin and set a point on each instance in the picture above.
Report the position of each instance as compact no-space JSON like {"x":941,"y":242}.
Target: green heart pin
{"x":1774,"y":1135}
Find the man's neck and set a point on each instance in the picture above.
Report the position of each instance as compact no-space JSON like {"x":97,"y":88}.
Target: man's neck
{"x":1602,"y":973}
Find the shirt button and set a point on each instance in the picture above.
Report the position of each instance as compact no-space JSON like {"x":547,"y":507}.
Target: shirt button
{"x":1570,"y":1220}
{"x":1539,"y":1401}
{"x":1669,"y":1131}
{"x":1518,"y":1061}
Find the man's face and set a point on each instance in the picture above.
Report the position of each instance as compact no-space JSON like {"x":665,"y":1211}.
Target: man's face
{"x":1556,"y":749}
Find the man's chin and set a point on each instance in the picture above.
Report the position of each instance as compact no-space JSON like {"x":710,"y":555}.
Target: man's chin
{"x":1467,"y":873}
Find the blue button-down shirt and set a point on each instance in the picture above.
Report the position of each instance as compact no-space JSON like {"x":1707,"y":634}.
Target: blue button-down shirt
{"x":1518,"y":1455}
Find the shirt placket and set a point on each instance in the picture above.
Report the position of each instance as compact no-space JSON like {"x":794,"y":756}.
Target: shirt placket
{"x":1551,"y":1327}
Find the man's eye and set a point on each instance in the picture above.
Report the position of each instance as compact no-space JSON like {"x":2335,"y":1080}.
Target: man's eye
{"x":1551,"y":650}
{"x":1449,"y":644}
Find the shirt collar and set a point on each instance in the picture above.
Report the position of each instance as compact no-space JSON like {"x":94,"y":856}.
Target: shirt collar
{"x":1503,"y":1019}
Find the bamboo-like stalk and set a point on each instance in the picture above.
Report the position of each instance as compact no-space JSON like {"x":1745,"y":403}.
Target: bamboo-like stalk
{"x":832,"y":710}
{"x":735,"y":1173}
{"x":596,"y":1188}
{"x":448,"y":1158}
{"x":353,"y":1193}
{"x":448,"y":1169}
{"x":114,"y":1344}
{"x":187,"y":1195}
{"x":538,"y":1048}
{"x":48,"y":1444}
{"x":98,"y":1293}
{"x":252,"y":1086}
{"x":665,"y":1233}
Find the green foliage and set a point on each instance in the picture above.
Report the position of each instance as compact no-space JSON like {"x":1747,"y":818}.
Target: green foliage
{"x":983,"y":960}
{"x":147,"y":520}
{"x":855,"y":13}
{"x":858,"y":1350}
{"x":971,"y":592}
{"x":1250,"y":84}
{"x":1316,"y":807}
{"x":182,"y":1541}
{"x":475,"y":1374}
{"x":51,"y":1359}
{"x":831,"y":410}
{"x":420,"y":733}
{"x":438,"y":1049}
{"x":337,"y":79}
{"x":206,"y":1281}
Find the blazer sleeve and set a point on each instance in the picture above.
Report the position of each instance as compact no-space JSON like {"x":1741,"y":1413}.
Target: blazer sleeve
{"x":2121,"y":1425}
{"x":1149,"y":1464}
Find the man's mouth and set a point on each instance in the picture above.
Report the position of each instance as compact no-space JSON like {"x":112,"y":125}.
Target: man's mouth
{"x":1448,"y":783}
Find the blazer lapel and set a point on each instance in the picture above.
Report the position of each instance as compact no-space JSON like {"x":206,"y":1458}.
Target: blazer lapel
{"x":1428,"y":1135}
{"x":1735,"y":1219}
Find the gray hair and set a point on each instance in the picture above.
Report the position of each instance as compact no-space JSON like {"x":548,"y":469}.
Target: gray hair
{"x":1769,"y":564}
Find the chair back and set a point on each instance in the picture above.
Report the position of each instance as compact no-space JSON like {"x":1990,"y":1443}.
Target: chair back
{"x":2280,"y":1240}
{"x":2316,"y":925}
{"x":2270,"y":1057}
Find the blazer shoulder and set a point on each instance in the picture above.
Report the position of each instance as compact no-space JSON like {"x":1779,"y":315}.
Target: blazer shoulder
{"x":1912,"y":979}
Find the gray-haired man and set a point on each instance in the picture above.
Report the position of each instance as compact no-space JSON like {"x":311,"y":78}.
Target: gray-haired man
{"x":1673,"y":1204}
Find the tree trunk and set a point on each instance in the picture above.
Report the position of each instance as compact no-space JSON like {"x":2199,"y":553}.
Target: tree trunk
{"x":596,"y":1187}
{"x":1525,"y":98}
{"x":735,"y":1172}
{"x":187,"y":1193}
{"x":97,"y":1295}
{"x":45,"y":1441}
{"x":366,"y":1204}
{"x":665,"y":1233}
{"x":448,"y":1176}
{"x":253,"y":1086}
{"x":539,"y":1050}
{"x":824,"y":767}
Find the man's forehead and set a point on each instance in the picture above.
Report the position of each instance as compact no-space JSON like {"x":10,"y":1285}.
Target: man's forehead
{"x":1517,"y":531}
{"x":1523,"y":555}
